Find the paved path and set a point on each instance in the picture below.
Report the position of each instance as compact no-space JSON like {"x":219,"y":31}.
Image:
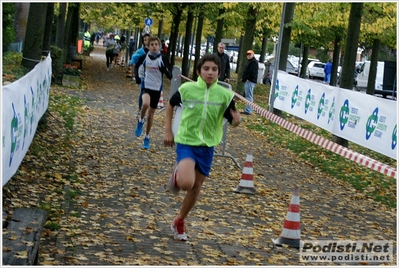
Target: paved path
{"x":122,"y":215}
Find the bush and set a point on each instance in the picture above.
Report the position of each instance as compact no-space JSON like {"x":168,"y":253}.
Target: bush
{"x":57,"y":57}
{"x":8,"y":23}
{"x":12,"y":66}
{"x":72,"y":70}
{"x":90,"y":48}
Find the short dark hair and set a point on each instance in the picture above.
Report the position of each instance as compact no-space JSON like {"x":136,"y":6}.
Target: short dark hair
{"x":209,"y":57}
{"x":144,"y":35}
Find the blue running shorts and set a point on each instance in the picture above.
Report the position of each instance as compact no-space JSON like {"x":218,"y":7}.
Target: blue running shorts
{"x":202,"y":156}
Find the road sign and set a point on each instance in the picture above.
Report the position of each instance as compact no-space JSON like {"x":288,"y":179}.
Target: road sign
{"x":148,"y":21}
{"x":211,"y":39}
{"x":146,"y":29}
{"x":234,"y":48}
{"x":228,"y":41}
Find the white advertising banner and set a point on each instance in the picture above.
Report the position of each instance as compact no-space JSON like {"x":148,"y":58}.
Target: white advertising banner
{"x":363,"y":119}
{"x":368,"y":121}
{"x":23,"y":103}
{"x":309,"y":100}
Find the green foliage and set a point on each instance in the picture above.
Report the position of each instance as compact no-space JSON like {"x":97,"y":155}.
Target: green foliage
{"x":53,"y":226}
{"x":12,"y":67}
{"x":67,"y":108}
{"x":89,"y":49}
{"x":72,"y":71}
{"x":57,"y":57}
{"x":322,"y":55}
{"x":386,"y":54}
{"x":292,"y":50}
{"x":8,"y":23}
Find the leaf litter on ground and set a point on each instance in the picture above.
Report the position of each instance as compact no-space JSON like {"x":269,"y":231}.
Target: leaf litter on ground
{"x":107,"y":195}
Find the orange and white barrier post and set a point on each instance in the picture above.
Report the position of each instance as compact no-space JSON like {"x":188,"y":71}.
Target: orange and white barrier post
{"x":291,"y":233}
{"x":129,"y":73}
{"x":246,"y":185}
{"x":160,"y":102}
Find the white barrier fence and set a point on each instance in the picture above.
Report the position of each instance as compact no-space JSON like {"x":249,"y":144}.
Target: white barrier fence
{"x":361,"y":118}
{"x":23,"y":104}
{"x":322,"y":108}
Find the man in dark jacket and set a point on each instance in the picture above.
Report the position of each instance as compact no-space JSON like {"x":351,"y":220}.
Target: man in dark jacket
{"x":249,"y":78}
{"x":225,"y":67}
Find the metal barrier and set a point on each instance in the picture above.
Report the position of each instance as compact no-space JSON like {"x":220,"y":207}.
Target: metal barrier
{"x":225,"y":128}
{"x":174,"y":84}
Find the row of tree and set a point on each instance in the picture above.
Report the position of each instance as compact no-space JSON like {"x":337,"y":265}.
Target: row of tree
{"x":340,"y":27}
{"x":310,"y":24}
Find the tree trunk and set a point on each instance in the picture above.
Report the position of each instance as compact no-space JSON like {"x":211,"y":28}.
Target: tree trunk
{"x":198,"y":42}
{"x":32,"y":49}
{"x":21,"y":20}
{"x":72,"y":28}
{"x":250,"y":23}
{"x":137,"y":37}
{"x":241,"y":53}
{"x":186,"y":54}
{"x":304,"y":63}
{"x":174,"y":33}
{"x":61,"y":26}
{"x":373,"y":67}
{"x":219,"y":30}
{"x":285,"y":43}
{"x":263,"y":50}
{"x":160,"y":28}
{"x":351,"y":45}
{"x":48,"y":29}
{"x":335,"y":62}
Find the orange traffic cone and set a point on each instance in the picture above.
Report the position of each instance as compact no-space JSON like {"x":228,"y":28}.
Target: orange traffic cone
{"x":246,"y":185}
{"x":160,"y":102}
{"x":291,"y":233}
{"x":123,"y":62}
{"x":129,"y":72}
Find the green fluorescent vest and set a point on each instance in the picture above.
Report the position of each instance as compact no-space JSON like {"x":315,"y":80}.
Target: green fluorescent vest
{"x":201,"y":122}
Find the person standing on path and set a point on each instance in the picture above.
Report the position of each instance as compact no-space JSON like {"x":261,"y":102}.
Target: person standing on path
{"x":327,"y":72}
{"x":204,"y":104}
{"x":131,"y":47}
{"x":86,"y":38}
{"x":136,"y":56}
{"x":117,"y":50}
{"x":154,"y":66}
{"x":249,"y":78}
{"x":225,"y":63}
{"x":109,"y":52}
{"x":164,"y":47}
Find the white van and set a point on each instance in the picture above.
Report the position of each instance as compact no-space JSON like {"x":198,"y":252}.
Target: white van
{"x":363,"y":76}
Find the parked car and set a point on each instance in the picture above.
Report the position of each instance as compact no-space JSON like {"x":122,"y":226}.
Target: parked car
{"x":315,"y":69}
{"x":299,"y":66}
{"x":363,"y":76}
{"x":385,"y":80}
{"x":269,"y":68}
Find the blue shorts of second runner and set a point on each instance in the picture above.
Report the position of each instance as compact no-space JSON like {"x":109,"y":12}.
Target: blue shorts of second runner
{"x":201,"y":155}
